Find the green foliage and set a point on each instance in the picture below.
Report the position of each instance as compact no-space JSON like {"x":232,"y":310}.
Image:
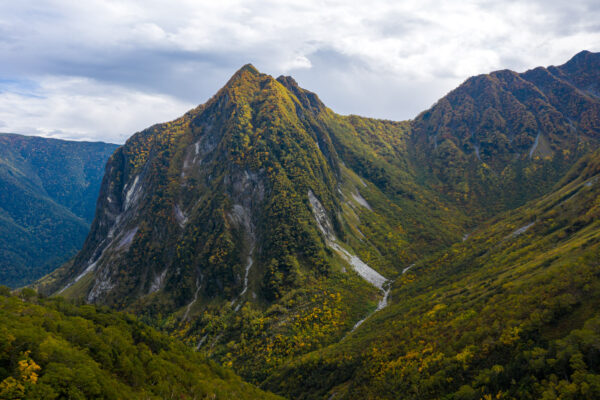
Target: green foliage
{"x":224,"y":191}
{"x":51,"y":349}
{"x":509,"y":313}
{"x":48,"y":192}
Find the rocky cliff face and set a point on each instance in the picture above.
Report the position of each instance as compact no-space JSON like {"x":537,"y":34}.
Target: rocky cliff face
{"x":215,"y":204}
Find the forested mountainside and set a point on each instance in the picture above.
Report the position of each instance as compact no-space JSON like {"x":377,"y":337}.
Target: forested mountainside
{"x":501,"y":139}
{"x":509,"y":313}
{"x":249,"y":208}
{"x":48,"y":192}
{"x":52,"y":349}
{"x":276,"y":236}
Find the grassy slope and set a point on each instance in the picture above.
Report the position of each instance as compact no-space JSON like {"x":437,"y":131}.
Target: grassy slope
{"x":506,"y":315}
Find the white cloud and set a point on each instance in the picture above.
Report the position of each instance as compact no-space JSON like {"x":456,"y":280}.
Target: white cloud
{"x":82,"y":109}
{"x":382,"y":58}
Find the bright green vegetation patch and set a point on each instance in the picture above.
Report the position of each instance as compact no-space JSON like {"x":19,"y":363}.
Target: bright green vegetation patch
{"x":52,"y":349}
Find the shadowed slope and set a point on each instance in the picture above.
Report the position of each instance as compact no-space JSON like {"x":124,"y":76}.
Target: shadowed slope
{"x":48,"y":192}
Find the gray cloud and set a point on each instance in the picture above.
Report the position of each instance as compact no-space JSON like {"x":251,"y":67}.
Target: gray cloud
{"x":102,"y":70}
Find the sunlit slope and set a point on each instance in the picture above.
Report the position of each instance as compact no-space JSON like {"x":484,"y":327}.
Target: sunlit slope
{"x":512,"y":312}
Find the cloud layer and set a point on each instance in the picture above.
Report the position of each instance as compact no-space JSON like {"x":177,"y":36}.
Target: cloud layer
{"x":102,"y":70}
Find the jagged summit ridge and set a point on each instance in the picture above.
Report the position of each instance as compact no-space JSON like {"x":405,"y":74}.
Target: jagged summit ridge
{"x":260,"y":138}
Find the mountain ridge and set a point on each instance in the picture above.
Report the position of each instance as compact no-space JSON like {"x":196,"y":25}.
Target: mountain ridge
{"x":491,"y":127}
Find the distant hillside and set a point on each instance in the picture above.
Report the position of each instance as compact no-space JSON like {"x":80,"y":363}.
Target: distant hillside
{"x":504,"y":138}
{"x":50,"y":349}
{"x":48,"y":191}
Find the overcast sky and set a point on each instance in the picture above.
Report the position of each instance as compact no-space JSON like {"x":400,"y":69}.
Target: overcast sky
{"x":102,"y":70}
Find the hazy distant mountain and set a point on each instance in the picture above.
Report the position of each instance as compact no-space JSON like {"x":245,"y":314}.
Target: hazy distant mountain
{"x":48,"y":191}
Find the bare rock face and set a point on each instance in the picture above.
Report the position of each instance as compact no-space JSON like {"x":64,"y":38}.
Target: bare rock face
{"x":198,"y":206}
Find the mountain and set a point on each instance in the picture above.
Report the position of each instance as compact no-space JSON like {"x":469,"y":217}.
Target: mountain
{"x":510,"y":312}
{"x":502,"y":139}
{"x":52,"y":349}
{"x":187,"y":205}
{"x":276,"y":236}
{"x":260,"y":204}
{"x":48,"y":191}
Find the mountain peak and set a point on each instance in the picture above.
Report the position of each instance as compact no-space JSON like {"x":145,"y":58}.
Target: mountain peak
{"x":246,"y":71}
{"x":246,"y":74}
{"x":307,"y":98}
{"x":248,"y":68}
{"x":252,"y":145}
{"x":583,"y":59}
{"x":287,"y":81}
{"x":583,"y":71}
{"x":581,"y":55}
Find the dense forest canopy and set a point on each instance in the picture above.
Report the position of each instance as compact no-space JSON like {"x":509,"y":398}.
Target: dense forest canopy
{"x":48,"y":193}
{"x":52,"y":349}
